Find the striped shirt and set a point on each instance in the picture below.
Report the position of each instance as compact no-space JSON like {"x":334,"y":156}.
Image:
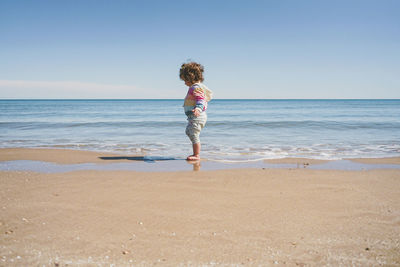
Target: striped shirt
{"x":195,"y":98}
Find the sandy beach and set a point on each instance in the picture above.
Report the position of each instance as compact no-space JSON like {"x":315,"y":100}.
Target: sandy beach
{"x":293,"y":217}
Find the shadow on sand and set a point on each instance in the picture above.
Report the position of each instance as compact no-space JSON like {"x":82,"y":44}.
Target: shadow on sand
{"x":196,"y":164}
{"x":144,"y":159}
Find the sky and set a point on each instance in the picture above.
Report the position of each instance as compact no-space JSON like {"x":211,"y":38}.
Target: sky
{"x":277,"y":49}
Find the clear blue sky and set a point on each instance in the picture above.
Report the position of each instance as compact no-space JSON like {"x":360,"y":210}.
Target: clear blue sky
{"x":250,"y":49}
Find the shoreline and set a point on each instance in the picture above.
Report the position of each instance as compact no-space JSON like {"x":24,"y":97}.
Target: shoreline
{"x":57,"y":160}
{"x":70,"y":156}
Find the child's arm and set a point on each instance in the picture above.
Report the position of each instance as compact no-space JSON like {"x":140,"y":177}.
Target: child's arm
{"x":200,"y":101}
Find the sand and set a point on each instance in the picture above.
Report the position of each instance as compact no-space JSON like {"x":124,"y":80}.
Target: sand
{"x":293,"y":217}
{"x":298,"y":161}
{"x":61,"y":156}
{"x":392,"y":160}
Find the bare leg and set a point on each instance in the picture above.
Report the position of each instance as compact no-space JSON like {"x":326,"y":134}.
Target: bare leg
{"x":196,"y":152}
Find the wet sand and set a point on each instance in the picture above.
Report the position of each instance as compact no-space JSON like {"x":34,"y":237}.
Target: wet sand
{"x":61,"y":156}
{"x":294,"y":217}
{"x":297,"y":161}
{"x":393,"y":160}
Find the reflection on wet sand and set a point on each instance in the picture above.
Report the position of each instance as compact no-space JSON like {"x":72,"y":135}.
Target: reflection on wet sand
{"x":196,"y":164}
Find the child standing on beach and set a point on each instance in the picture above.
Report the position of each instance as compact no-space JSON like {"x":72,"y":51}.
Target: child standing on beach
{"x":195,"y":104}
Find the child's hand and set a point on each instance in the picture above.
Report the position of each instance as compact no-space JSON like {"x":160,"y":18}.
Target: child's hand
{"x":196,"y":112}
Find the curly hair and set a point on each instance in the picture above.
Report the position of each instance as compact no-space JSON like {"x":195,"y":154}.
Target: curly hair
{"x":191,"y":72}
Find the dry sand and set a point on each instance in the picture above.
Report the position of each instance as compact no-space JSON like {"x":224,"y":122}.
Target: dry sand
{"x":296,"y":217}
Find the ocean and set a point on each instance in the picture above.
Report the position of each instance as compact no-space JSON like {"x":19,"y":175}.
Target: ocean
{"x":236,"y":130}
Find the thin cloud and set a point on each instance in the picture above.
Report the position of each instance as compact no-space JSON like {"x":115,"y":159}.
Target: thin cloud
{"x":74,"y":89}
{"x":62,"y":85}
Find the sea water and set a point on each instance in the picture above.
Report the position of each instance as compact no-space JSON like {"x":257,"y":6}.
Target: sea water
{"x":236,"y":130}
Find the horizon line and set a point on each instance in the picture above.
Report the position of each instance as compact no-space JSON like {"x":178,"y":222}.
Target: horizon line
{"x":211,"y":100}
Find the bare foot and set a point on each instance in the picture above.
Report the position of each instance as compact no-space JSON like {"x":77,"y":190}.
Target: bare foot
{"x":193,"y":157}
